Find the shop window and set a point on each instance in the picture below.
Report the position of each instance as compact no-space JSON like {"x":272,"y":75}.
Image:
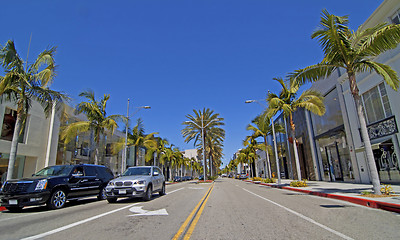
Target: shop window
{"x":396,"y":17}
{"x":18,"y":166}
{"x":7,"y":130}
{"x":108,"y":150}
{"x":376,"y":104}
{"x":332,"y":117}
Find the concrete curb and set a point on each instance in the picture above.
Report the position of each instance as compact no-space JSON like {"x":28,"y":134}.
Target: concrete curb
{"x":357,"y":200}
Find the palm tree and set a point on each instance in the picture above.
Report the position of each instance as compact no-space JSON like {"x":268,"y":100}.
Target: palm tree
{"x":137,"y":138}
{"x":25,"y":85}
{"x":287,"y":102}
{"x":203,"y":121}
{"x":157,"y":149}
{"x":97,"y":122}
{"x":355,"y":52}
{"x":261,"y":127}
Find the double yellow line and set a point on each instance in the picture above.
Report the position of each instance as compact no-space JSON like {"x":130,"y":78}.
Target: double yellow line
{"x":193,"y":217}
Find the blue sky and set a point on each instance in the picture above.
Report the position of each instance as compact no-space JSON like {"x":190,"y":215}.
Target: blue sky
{"x":176,"y":55}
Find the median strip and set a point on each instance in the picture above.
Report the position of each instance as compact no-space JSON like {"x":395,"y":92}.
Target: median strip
{"x":193,"y":217}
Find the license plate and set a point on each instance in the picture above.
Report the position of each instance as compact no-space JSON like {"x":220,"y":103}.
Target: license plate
{"x":13,"y":202}
{"x":122,"y":191}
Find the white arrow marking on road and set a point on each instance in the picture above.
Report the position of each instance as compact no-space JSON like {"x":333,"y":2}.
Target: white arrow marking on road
{"x":140,"y":212}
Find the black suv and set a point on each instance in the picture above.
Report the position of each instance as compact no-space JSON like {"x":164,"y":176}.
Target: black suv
{"x":55,"y":185}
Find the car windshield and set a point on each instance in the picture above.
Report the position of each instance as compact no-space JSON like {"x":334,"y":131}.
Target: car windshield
{"x":137,"y":171}
{"x":63,"y":170}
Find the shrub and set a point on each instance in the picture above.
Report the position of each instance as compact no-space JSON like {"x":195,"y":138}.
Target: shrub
{"x":256,"y":179}
{"x":386,"y":189}
{"x":366,"y":192}
{"x":269,"y":180}
{"x":299,"y":183}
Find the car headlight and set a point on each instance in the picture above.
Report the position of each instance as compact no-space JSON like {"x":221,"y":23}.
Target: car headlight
{"x":140,"y":182}
{"x":41,"y":185}
{"x":110,"y":183}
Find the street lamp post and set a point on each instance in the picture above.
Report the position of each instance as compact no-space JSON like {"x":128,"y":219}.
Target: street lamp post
{"x":273,"y":139}
{"x":125,"y":152}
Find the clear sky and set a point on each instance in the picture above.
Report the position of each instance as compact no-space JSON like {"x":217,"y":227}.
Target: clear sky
{"x":175,"y":55}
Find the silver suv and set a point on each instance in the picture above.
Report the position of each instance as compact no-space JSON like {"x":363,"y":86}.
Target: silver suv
{"x":136,"y":182}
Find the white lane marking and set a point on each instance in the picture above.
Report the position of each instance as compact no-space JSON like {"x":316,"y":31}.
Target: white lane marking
{"x":175,"y":190}
{"x":141,"y":212}
{"x":82,"y":222}
{"x":76,"y":224}
{"x":196,"y":188}
{"x":303,"y":217}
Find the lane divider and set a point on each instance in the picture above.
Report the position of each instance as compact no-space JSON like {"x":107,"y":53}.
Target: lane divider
{"x":193,"y":217}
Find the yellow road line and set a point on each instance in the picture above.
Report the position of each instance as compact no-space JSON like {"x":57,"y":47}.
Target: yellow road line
{"x":196,"y":219}
{"x":184,"y":225}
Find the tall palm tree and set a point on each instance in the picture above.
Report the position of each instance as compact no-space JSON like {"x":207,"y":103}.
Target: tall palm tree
{"x":97,"y":122}
{"x":355,"y":52}
{"x":288,"y":102}
{"x":262,"y":127}
{"x":25,"y":85}
{"x":203,"y":121}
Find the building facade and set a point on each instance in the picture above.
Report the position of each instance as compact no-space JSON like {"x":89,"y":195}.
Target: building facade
{"x":40,"y":145}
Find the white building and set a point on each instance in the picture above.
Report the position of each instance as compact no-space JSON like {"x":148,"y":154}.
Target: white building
{"x":338,"y":149}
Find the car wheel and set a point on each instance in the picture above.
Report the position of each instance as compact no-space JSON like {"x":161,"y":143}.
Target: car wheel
{"x":148,"y":194}
{"x":162,"y":192}
{"x":14,"y":209}
{"x":57,"y":200}
{"x":102,"y":195}
{"x":111,"y":200}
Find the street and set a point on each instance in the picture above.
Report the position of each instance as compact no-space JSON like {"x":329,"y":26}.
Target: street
{"x":233,"y":209}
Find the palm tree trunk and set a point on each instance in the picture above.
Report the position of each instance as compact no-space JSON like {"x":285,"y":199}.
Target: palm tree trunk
{"x":296,"y":154}
{"x":14,"y":147}
{"x":364,"y":133}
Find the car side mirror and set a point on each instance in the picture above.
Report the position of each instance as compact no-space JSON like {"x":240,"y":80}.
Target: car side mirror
{"x":156,"y":174}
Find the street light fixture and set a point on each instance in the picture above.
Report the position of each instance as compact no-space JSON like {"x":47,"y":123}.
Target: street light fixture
{"x":273,"y":139}
{"x":124,"y":153}
{"x":202,"y":136}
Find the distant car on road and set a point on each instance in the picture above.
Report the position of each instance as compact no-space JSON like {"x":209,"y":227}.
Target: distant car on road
{"x":136,"y":182}
{"x":201,"y":177}
{"x":54,"y":185}
{"x":223,"y":175}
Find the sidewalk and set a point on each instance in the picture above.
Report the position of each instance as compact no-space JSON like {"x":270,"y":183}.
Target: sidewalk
{"x":350,"y":192}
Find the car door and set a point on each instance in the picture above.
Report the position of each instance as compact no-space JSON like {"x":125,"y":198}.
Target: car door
{"x":157,"y":178}
{"x":93,"y":181}
{"x":78,"y":183}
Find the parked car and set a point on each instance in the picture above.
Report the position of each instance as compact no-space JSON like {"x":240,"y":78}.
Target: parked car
{"x":136,"y":182}
{"x":243,"y":176}
{"x":54,"y":185}
{"x":201,"y":177}
{"x":187,"y":178}
{"x":177,"y":179}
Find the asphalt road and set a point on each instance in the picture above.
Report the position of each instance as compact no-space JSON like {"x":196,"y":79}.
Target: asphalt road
{"x":233,"y":210}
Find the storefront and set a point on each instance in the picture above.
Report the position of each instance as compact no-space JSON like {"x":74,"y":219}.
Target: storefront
{"x":332,"y":146}
{"x":385,"y":147}
{"x":335,"y":156}
{"x":18,"y":167}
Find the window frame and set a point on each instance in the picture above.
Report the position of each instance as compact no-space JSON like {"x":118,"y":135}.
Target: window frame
{"x":379,"y":91}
